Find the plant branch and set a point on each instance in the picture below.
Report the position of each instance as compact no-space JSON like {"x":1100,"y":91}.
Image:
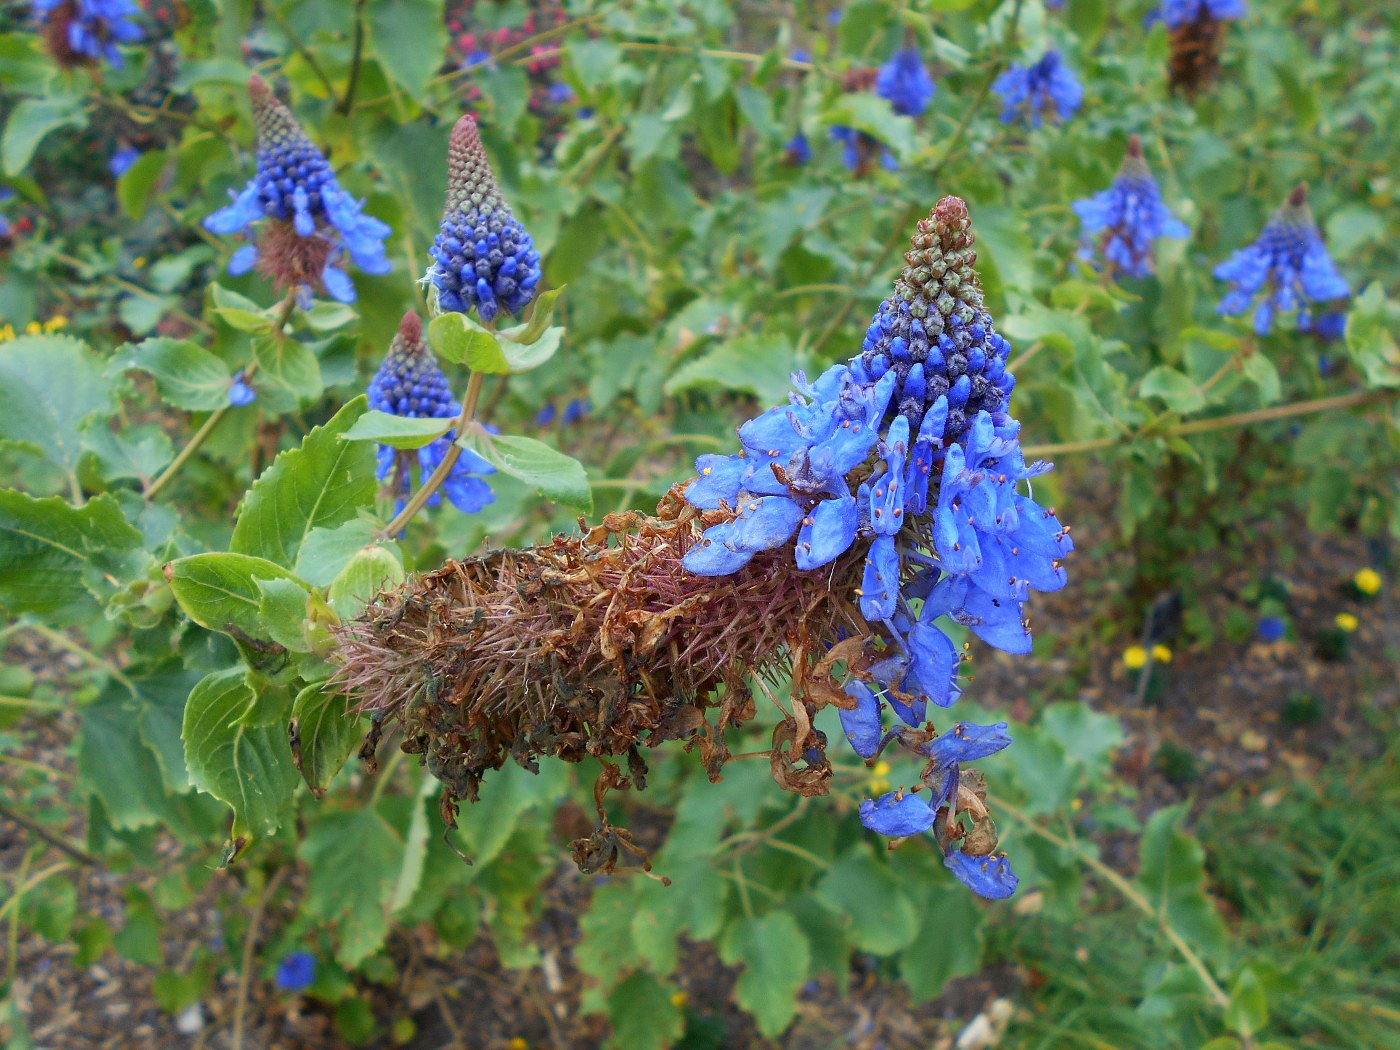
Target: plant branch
{"x":347,"y":102}
{"x":38,"y":830}
{"x":240,"y":1003}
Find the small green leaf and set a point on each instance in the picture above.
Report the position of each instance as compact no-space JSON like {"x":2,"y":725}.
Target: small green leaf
{"x":527,"y":356}
{"x":30,"y":121}
{"x":1172,"y":875}
{"x":369,"y":572}
{"x":409,"y":37}
{"x":323,"y":483}
{"x":557,"y":476}
{"x":327,"y":731}
{"x":221,"y":591}
{"x":187,"y":375}
{"x":1248,"y":1011}
{"x":326,"y":551}
{"x":385,"y":428}
{"x":289,"y":374}
{"x":881,"y":917}
{"x":50,"y":385}
{"x":459,"y":339}
{"x":248,"y":767}
{"x":1174,"y":388}
{"x":874,"y":116}
{"x":643,"y":1015}
{"x":136,"y":185}
{"x":540,"y":316}
{"x":775,"y":956}
{"x":283,"y":613}
{"x":354,"y":858}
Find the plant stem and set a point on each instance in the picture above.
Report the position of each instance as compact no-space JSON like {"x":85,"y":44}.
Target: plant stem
{"x":1237,"y":419}
{"x":38,"y":830}
{"x":240,"y":1003}
{"x":61,"y":640}
{"x":1130,"y":893}
{"x":192,"y":446}
{"x":449,"y":460}
{"x":347,"y":103}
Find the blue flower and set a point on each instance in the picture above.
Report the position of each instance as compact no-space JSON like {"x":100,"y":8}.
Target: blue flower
{"x":1029,"y":92}
{"x":903,"y":470}
{"x":1272,"y":628}
{"x":308,"y":222}
{"x":1290,"y":264}
{"x":798,"y":150}
{"x":121,"y":161}
{"x":410,"y":383}
{"x":296,"y":972}
{"x":90,"y":30}
{"x":483,"y":257}
{"x":575,"y":411}
{"x":1177,"y":13}
{"x":906,"y":82}
{"x":241,"y":393}
{"x":1128,"y":218}
{"x":858,"y":148}
{"x":986,"y":876}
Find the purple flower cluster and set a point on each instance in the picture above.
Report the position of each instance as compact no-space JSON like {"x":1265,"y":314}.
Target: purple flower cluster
{"x":410,"y":383}
{"x":313,"y":224}
{"x":482,"y":256}
{"x":1291,"y":266}
{"x":1121,"y":224}
{"x":908,"y":452}
{"x":1028,"y":93}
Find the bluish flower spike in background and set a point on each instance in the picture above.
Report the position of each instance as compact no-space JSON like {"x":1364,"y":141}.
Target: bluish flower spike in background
{"x":410,"y":383}
{"x":308,"y":223}
{"x":906,"y":82}
{"x":482,"y":257}
{"x":1028,"y":93}
{"x":81,"y":31}
{"x":910,"y":454}
{"x":1291,"y":266}
{"x":1177,"y":13}
{"x":1122,"y":224}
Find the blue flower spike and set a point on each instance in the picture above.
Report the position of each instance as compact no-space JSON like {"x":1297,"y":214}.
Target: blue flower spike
{"x":83,"y":32}
{"x":900,"y":474}
{"x":1031,"y":93}
{"x":1122,"y":224}
{"x":483,"y":258}
{"x":1290,"y":265}
{"x":906,"y":82}
{"x":410,"y":383}
{"x":1179,"y":13}
{"x":307,"y":225}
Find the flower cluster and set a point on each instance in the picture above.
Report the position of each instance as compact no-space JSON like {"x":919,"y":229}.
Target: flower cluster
{"x":81,"y":31}
{"x":311,"y":223}
{"x":1177,"y":13}
{"x":482,"y":256}
{"x":906,"y":83}
{"x":1290,"y":264}
{"x":1029,"y":92}
{"x":909,"y":453}
{"x":858,"y":149}
{"x":410,"y":383}
{"x":1128,"y":218}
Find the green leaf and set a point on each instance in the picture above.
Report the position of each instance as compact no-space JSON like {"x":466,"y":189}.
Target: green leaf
{"x":874,"y":116}
{"x":370,"y":571}
{"x":118,"y":766}
{"x":136,"y":452}
{"x":221,"y":591}
{"x":1248,"y":1011}
{"x":54,"y":556}
{"x":50,"y":385}
{"x":1369,"y":340}
{"x":948,"y":943}
{"x":354,"y":858}
{"x":525,"y":357}
{"x":322,"y":484}
{"x":541,"y":314}
{"x":327,"y":731}
{"x":775,"y":957}
{"x":643,"y":1015}
{"x":187,"y":375}
{"x":136,"y":185}
{"x":30,"y":121}
{"x":880,"y":917}
{"x":385,"y":428}
{"x":248,"y":767}
{"x":557,"y":476}
{"x":326,"y":551}
{"x":457,"y":338}
{"x":283,"y":613}
{"x":289,"y":374}
{"x":1173,"y":387}
{"x":409,"y":38}
{"x":1172,"y":875}
{"x":762,"y":365}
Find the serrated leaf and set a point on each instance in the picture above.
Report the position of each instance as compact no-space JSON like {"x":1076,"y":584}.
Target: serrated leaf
{"x":409,"y":38}
{"x":248,"y":767}
{"x":1174,"y":388}
{"x":385,"y":428}
{"x":221,"y":590}
{"x":327,"y":731}
{"x":775,"y":956}
{"x":880,"y":916}
{"x":187,"y":376}
{"x":54,"y":556}
{"x":354,"y":858}
{"x":322,"y":484}
{"x":643,"y":1015}
{"x":30,"y":121}
{"x":1172,"y":876}
{"x":289,"y":374}
{"x":457,"y":338}
{"x":135,"y":452}
{"x":326,"y":551}
{"x":948,"y":943}
{"x":557,"y":476}
{"x":50,"y":385}
{"x":282,"y":611}
{"x":761,"y":365}
{"x":114,"y":763}
{"x":369,"y":572}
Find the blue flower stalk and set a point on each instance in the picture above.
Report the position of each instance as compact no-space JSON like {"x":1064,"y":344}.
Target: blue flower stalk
{"x":410,"y":383}
{"x":85,"y":32}
{"x":906,"y":83}
{"x":1290,"y":266}
{"x":1047,"y":88}
{"x":1122,"y":224}
{"x":908,"y":456}
{"x":307,"y":225}
{"x":483,"y":258}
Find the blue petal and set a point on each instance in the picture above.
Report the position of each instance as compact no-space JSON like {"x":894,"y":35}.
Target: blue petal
{"x":862,"y":725}
{"x":243,"y":260}
{"x":338,"y":284}
{"x":827,"y":532}
{"x":996,"y":622}
{"x":468,"y":493}
{"x":897,"y":817}
{"x":711,"y":557}
{"x":245,"y":210}
{"x":765,"y":523}
{"x":933,"y":665}
{"x":966,"y":742}
{"x":879,"y":588}
{"x":989,"y":877}
{"x":717,"y":481}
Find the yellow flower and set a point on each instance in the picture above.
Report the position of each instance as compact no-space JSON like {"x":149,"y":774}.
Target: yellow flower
{"x":1162,"y":654}
{"x":519,"y":1043}
{"x":1135,"y":658}
{"x":53,"y":324}
{"x":33,"y":328}
{"x":1367,"y":581}
{"x":1347,"y":622}
{"x":7,"y":333}
{"x":879,"y":783}
{"x":679,"y":1000}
